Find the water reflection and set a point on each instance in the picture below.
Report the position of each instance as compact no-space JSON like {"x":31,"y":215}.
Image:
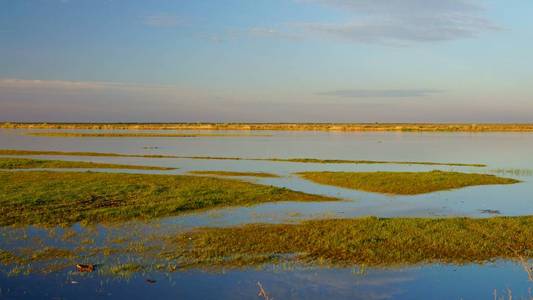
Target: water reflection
{"x":420,"y":282}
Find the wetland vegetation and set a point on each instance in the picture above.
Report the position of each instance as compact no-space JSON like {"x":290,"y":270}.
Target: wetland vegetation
{"x":404,"y":183}
{"x":136,"y":135}
{"x":51,"y":198}
{"x":364,"y":241}
{"x":26,"y":163}
{"x":416,"y":127}
{"x":369,"y":241}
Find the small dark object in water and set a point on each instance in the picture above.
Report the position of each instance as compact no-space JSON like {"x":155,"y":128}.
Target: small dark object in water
{"x":490,"y":211}
{"x":151,"y":281}
{"x":85,"y":268}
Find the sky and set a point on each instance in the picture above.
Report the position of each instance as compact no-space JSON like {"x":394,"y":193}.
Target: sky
{"x":266,"y":61}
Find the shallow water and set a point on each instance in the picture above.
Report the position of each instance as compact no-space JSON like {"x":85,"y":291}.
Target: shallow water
{"x":419,"y":282}
{"x":497,"y":150}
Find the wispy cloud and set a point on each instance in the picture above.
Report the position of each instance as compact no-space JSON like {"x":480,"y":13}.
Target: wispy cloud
{"x":28,"y":85}
{"x":387,"y":93}
{"x":162,"y":20}
{"x":403,"y":22}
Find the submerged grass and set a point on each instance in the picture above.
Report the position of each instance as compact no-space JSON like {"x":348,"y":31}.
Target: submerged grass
{"x":404,"y":183}
{"x":25,"y":163}
{"x":365,"y":241}
{"x":514,"y":172}
{"x":295,"y":160}
{"x":345,"y":161}
{"x":231,"y":173}
{"x":51,"y":198}
{"x":124,"y":270}
{"x":104,"y":134}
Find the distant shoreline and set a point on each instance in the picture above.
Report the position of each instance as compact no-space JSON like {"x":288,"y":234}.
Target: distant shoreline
{"x":353,"y":127}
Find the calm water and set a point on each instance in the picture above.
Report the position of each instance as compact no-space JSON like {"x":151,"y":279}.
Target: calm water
{"x":497,"y":150}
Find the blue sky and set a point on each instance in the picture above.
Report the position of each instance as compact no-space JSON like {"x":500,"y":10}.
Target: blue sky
{"x":266,"y":60}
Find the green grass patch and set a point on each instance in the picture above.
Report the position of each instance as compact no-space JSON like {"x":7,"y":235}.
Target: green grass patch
{"x":230,"y":173}
{"x":404,"y":183}
{"x":51,"y":198}
{"x":365,"y":241}
{"x":25,"y":163}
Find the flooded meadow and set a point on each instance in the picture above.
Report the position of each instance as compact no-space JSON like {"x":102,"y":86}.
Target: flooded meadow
{"x":260,"y":225}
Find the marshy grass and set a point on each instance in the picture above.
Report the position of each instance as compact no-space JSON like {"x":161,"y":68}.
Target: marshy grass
{"x":52,"y":198}
{"x":291,"y":160}
{"x":404,"y":183}
{"x":364,"y":241}
{"x":238,"y":174}
{"x":136,"y":135}
{"x":25,"y":163}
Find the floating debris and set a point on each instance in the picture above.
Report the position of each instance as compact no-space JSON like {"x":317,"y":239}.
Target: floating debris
{"x":262,"y":293}
{"x":85,"y":268}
